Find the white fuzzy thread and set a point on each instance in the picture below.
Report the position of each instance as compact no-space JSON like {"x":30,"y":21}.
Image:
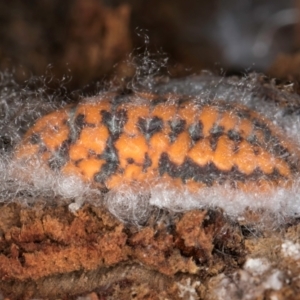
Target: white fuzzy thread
{"x":134,"y":203}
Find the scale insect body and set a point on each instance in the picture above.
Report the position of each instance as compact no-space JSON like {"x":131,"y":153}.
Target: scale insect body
{"x":114,"y":139}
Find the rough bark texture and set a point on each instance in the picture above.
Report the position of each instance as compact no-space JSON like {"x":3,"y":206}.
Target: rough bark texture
{"x":46,"y":251}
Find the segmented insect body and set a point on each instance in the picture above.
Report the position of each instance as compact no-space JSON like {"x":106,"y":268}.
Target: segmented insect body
{"x":113,"y":139}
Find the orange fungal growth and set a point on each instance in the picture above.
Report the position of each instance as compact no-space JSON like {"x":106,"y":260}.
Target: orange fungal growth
{"x":115,"y":138}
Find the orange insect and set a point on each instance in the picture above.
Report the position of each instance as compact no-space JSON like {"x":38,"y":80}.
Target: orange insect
{"x":122,"y":138}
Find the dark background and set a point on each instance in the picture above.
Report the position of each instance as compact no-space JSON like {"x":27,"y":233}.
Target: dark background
{"x":89,"y":40}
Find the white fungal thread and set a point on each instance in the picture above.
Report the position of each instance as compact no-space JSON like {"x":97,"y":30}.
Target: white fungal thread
{"x":130,"y":203}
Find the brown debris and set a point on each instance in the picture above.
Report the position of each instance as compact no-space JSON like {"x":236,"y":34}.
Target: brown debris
{"x":192,"y":239}
{"x":51,"y":252}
